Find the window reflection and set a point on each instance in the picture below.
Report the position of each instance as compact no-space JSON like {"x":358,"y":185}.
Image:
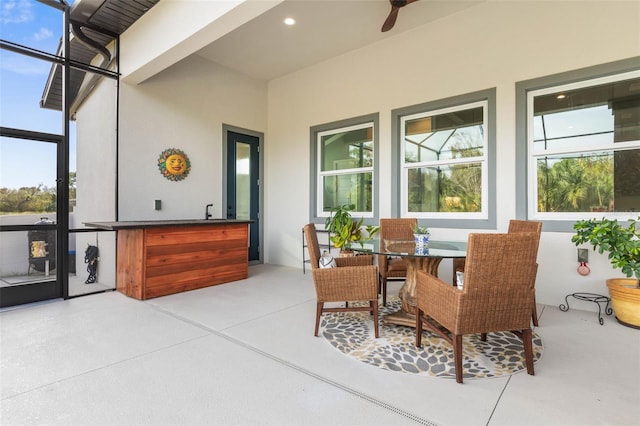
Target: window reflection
{"x":456,"y":188}
{"x":456,"y":134}
{"x":606,"y":113}
{"x":444,"y":156}
{"x":597,"y":182}
{"x":582,"y":140}
{"x":347,"y":150}
{"x":352,"y":189}
{"x":346,"y":162}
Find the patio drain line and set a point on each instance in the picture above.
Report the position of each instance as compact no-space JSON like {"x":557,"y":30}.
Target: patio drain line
{"x":302,"y":370}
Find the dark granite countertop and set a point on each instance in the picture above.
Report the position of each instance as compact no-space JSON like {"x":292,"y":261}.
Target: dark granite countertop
{"x":138,"y":224}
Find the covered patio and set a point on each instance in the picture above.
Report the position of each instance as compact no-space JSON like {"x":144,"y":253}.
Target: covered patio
{"x":244,"y":353}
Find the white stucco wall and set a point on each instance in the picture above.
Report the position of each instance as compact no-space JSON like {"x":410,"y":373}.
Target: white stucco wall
{"x":494,"y":44}
{"x":183,"y":107}
{"x":175,"y":29}
{"x":96,"y":135}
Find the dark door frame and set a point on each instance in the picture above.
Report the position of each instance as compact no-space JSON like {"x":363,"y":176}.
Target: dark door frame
{"x":47,"y":288}
{"x":226,"y":128}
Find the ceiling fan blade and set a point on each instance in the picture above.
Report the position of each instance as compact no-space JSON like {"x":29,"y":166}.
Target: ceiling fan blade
{"x":391,"y":19}
{"x":395,"y":7}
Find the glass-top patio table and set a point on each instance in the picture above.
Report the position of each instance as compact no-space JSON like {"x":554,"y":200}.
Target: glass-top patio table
{"x":417,"y":258}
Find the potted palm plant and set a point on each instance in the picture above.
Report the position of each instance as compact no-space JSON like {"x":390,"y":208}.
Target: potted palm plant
{"x":622,"y":243}
{"x":344,"y":230}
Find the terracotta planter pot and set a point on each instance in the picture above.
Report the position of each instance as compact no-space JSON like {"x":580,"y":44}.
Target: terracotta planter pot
{"x":625,"y":298}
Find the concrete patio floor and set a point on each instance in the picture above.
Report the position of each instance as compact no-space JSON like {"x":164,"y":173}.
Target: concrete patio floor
{"x":244,"y":353}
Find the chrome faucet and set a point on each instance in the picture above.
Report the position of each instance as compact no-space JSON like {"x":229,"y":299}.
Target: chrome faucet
{"x":207,"y":215}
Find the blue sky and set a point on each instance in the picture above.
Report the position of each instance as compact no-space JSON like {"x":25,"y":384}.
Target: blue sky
{"x":22,"y":81}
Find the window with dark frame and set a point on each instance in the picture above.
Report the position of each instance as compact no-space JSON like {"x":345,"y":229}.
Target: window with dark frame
{"x":344,"y":166}
{"x":444,"y":162}
{"x":584,"y":148}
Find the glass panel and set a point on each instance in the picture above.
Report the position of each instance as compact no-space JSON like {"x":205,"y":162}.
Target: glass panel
{"x":27,"y":257}
{"x":243,"y":182}
{"x":23,"y":82}
{"x":37,"y":26}
{"x":347,"y":150}
{"x":28,"y":167}
{"x":455,"y":188}
{"x":32,"y":24}
{"x":92,"y":189}
{"x":42,"y":248}
{"x":92,"y":262}
{"x":595,"y":182}
{"x":93,"y":159}
{"x":28,"y":176}
{"x":27,"y":197}
{"x":590,"y":116}
{"x":457,"y":134}
{"x":573,"y":129}
{"x":354,"y":190}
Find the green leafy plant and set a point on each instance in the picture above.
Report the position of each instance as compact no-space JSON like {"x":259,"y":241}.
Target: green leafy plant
{"x":621,"y":243}
{"x":345,"y":230}
{"x":339,"y":217}
{"x":420,"y":229}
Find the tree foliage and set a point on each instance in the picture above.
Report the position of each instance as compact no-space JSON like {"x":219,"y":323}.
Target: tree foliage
{"x":575,"y":184}
{"x":621,"y":243}
{"x":33,"y":199}
{"x":453,"y":188}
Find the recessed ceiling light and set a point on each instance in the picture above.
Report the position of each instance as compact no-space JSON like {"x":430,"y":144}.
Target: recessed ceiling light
{"x":289,"y":21}
{"x":561,"y":96}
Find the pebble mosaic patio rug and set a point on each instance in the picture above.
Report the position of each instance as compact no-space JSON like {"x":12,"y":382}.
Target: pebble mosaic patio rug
{"x":352,"y":334}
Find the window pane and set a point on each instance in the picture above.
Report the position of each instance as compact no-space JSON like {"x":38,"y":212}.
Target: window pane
{"x":243,"y":181}
{"x":347,"y":150}
{"x":456,"y":134}
{"x":18,"y":25}
{"x":455,"y":188}
{"x":23,"y":82}
{"x":28,"y":176}
{"x":589,"y":116}
{"x":581,"y":141}
{"x":573,"y":129}
{"x":23,"y":78}
{"x":28,"y":196}
{"x":351,"y":189}
{"x":595,"y":182}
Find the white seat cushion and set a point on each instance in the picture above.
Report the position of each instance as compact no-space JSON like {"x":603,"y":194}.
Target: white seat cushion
{"x":326,"y":261}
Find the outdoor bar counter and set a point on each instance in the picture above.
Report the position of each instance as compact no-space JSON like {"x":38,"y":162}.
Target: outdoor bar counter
{"x":157,"y":258}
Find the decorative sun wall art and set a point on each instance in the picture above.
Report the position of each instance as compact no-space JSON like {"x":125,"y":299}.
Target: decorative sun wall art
{"x":174,"y":164}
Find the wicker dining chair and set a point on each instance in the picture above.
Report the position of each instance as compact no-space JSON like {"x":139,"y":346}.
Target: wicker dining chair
{"x":515,"y":225}
{"x":355,"y":278}
{"x":393,"y":268}
{"x":535,"y":227}
{"x":496,"y":296}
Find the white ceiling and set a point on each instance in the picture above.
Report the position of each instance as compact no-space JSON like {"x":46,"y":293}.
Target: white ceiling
{"x":265,"y":48}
